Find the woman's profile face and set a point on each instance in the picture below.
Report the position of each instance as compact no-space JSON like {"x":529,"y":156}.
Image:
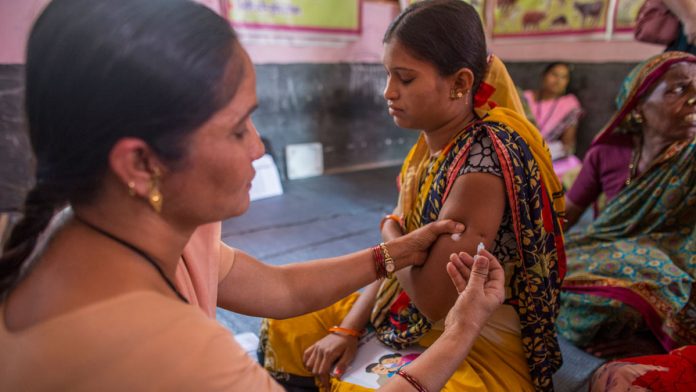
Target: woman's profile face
{"x":417,"y":96}
{"x":666,"y":109}
{"x":556,"y":80}
{"x":216,"y":176}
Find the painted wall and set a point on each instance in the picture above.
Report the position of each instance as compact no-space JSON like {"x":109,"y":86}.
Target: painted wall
{"x":377,"y":16}
{"x":16,"y":17}
{"x":334,"y":95}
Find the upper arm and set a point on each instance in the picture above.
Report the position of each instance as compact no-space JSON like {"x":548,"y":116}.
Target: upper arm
{"x":478,"y":201}
{"x":249,"y":284}
{"x":214,"y":361}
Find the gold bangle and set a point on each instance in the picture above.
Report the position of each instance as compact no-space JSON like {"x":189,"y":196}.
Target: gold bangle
{"x":389,"y":217}
{"x":388,"y":261}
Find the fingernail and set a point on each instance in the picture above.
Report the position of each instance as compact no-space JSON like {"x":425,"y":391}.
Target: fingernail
{"x":459,"y":227}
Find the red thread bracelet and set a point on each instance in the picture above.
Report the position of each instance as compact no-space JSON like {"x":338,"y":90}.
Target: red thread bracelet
{"x":411,"y":380}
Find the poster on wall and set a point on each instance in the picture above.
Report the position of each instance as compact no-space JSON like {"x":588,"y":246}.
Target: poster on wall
{"x":535,"y":18}
{"x":304,"y":22}
{"x":626,"y":13}
{"x":479,"y":5}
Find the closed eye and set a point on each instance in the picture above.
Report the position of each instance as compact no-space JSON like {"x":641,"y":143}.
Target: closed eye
{"x":241,"y":131}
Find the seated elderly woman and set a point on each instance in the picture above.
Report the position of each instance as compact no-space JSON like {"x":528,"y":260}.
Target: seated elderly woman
{"x":631,"y":273}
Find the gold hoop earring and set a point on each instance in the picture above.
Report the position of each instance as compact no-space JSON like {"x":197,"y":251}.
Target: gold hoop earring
{"x":131,"y":188}
{"x":155,"y":196}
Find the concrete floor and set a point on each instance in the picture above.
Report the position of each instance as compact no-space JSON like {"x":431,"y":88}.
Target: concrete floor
{"x":316,"y":217}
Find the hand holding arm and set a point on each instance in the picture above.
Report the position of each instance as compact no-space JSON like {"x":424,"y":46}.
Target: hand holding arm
{"x":254,"y":288}
{"x":480,"y":283}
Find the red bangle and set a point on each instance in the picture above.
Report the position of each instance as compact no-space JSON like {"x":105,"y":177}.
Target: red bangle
{"x":388,"y":262}
{"x":346,"y":331}
{"x":411,"y":380}
{"x":389,"y":217}
{"x":378,"y":257}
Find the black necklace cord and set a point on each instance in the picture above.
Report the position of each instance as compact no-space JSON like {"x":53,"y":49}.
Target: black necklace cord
{"x":135,"y":249}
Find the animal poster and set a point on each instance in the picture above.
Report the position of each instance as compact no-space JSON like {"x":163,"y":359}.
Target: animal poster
{"x":626,"y":13}
{"x":526,"y":18}
{"x":376,"y":363}
{"x":479,"y":5}
{"x":294,"y":20}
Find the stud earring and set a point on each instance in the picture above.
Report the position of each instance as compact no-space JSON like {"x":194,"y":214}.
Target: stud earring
{"x":155,"y":196}
{"x":131,"y":188}
{"x":691,"y":101}
{"x":454,"y":94}
{"x":637,"y":117}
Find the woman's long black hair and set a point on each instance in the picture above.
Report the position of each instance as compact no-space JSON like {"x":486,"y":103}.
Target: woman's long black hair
{"x":101,"y":70}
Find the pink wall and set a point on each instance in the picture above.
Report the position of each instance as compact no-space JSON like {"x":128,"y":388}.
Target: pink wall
{"x":376,"y":18}
{"x":17,"y":16}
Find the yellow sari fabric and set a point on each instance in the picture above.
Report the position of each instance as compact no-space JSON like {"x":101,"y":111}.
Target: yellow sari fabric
{"x":498,"y":360}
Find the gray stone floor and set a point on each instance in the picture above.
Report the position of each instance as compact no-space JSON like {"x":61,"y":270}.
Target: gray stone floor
{"x":315,"y":218}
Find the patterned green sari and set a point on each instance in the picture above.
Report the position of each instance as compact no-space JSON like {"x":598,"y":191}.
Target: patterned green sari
{"x":635,"y":266}
{"x":641,"y":251}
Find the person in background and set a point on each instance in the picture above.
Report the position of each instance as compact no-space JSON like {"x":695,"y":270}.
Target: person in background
{"x":631,"y":273}
{"x":685,"y":10}
{"x":139,"y":115}
{"x":556,"y":113}
{"x":675,"y":371}
{"x":474,"y":140}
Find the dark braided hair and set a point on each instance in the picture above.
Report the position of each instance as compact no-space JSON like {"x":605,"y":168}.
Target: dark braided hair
{"x":445,"y":33}
{"x":101,"y":70}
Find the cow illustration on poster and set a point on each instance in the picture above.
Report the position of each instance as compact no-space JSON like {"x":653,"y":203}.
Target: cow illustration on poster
{"x":529,"y":18}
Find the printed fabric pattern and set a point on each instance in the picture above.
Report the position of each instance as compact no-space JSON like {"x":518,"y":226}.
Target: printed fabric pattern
{"x":534,"y":285}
